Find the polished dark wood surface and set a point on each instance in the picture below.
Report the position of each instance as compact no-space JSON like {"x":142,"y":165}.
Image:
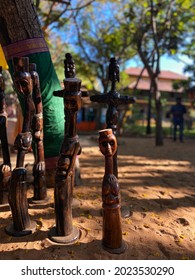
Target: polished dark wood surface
{"x":112,"y":230}
{"x":22,"y":225}
{"x":113,"y":99}
{"x":40,"y":189}
{"x":65,"y":232}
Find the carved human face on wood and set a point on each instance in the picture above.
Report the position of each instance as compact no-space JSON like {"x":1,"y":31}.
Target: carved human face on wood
{"x":72,"y":103}
{"x":23,"y":83}
{"x":107,"y":142}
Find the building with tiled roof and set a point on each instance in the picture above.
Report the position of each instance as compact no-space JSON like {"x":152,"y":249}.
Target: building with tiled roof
{"x":165,"y":80}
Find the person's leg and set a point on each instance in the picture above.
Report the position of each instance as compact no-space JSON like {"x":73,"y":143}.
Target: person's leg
{"x":174,"y":131}
{"x":181,"y":127}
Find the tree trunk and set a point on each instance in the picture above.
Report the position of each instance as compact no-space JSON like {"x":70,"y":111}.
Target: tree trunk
{"x":157,"y":95}
{"x":17,"y":19}
{"x":148,"y":127}
{"x":159,"y":130}
{"x":21,"y":35}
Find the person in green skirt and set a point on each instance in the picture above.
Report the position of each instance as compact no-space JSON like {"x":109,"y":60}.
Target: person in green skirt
{"x":21,"y":36}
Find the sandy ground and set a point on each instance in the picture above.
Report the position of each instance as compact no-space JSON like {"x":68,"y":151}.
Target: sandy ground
{"x":157,"y":185}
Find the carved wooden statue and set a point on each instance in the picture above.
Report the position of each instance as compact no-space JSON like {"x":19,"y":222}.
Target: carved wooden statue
{"x":113,"y":99}
{"x":5,"y":167}
{"x":22,"y":225}
{"x":112,"y":232}
{"x":65,"y":232}
{"x":40,"y":189}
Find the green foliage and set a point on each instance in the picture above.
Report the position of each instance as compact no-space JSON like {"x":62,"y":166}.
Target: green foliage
{"x":98,"y":30}
{"x":98,"y":39}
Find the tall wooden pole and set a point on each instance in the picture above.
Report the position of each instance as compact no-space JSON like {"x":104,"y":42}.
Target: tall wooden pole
{"x":113,"y":99}
{"x":22,"y":224}
{"x":40,"y":189}
{"x":112,"y":230}
{"x":65,"y":232}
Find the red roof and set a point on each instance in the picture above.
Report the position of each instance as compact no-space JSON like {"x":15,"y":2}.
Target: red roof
{"x":165,"y":79}
{"x":163,"y":85}
{"x":135,"y":71}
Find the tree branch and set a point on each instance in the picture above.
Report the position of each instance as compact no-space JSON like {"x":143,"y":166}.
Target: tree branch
{"x":138,"y":79}
{"x":82,"y":6}
{"x":61,"y":2}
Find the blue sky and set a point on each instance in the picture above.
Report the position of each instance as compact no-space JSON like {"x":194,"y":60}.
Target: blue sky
{"x":175,"y":65}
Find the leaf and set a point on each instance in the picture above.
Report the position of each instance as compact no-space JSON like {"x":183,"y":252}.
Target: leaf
{"x":182,"y":236}
{"x":146,"y":226}
{"x":71,"y":252}
{"x":185,"y":258}
{"x":89,"y":216}
{"x":157,"y":254}
{"x":82,"y":214}
{"x":38,"y":226}
{"x":9,"y":238}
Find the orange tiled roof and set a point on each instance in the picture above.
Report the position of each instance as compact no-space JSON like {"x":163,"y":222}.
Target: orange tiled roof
{"x":145,"y":85}
{"x":165,"y":79}
{"x":135,"y":71}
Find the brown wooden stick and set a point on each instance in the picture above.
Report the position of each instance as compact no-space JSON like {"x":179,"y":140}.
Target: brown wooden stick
{"x":113,"y":99}
{"x":23,"y":84}
{"x":22,"y":225}
{"x":112,"y":230}
{"x":65,"y":232}
{"x":40,"y":189}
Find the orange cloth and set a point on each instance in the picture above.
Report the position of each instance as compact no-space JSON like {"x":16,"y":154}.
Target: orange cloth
{"x":3,"y":61}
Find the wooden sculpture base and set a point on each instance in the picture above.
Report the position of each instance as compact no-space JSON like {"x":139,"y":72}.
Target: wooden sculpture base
{"x":29,"y":230}
{"x":32,"y":200}
{"x":117,"y":250}
{"x":66,"y":240}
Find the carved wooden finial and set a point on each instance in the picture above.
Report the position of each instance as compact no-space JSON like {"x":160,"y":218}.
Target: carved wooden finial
{"x":69,"y":66}
{"x":114,"y":74}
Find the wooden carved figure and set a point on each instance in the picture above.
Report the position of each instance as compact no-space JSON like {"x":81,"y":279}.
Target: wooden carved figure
{"x":5,"y":167}
{"x":40,"y":189}
{"x":113,"y":99}
{"x":22,"y":225}
{"x":65,"y":232}
{"x":112,"y":232}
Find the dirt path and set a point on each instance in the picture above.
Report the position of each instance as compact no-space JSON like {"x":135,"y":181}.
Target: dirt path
{"x":157,"y":185}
